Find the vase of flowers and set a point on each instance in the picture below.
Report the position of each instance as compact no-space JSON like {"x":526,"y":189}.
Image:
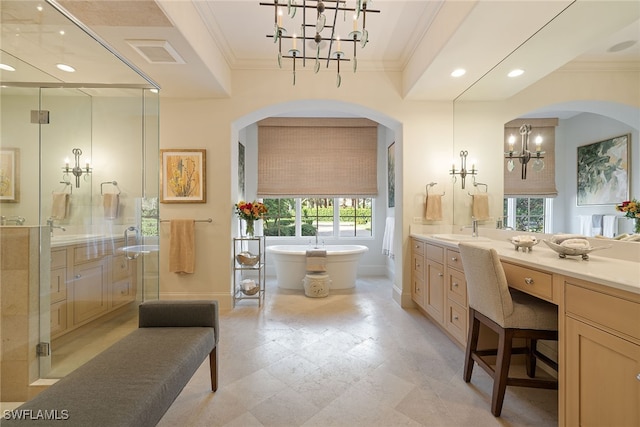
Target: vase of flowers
{"x":250,"y":212}
{"x":631,"y":209}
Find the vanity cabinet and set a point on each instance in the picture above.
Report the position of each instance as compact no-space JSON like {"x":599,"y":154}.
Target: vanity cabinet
{"x":89,"y":280}
{"x":439,"y":287}
{"x":602,"y":356}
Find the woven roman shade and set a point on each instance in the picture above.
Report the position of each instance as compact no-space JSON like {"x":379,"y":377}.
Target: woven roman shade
{"x":317,"y":157}
{"x":537,"y":184}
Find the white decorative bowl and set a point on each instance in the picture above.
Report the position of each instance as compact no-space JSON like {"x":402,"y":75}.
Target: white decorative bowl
{"x":525,"y":242}
{"x":564,"y":251}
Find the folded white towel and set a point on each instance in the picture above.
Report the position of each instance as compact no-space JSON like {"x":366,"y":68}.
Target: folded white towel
{"x":387,"y":239}
{"x":576,"y":244}
{"x":609,"y":225}
{"x":585,"y":225}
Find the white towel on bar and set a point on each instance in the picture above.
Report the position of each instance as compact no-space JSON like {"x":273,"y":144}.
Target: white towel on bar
{"x":596,"y":225}
{"x":387,"y":239}
{"x":609,"y":225}
{"x":585,"y":225}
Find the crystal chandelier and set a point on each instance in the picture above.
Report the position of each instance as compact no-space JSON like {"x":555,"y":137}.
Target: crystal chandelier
{"x":319,"y":23}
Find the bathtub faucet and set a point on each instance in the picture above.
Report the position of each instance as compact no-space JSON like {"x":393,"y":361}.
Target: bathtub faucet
{"x":50,"y":223}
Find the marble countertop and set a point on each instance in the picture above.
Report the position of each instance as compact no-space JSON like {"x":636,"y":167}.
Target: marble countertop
{"x":615,"y":273}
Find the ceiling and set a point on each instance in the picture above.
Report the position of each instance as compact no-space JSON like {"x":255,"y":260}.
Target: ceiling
{"x":196,"y":45}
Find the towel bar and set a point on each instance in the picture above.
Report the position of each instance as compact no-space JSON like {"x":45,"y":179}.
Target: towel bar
{"x":196,"y":220}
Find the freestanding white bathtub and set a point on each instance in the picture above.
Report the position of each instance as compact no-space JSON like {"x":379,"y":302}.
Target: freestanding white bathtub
{"x":342,"y":264}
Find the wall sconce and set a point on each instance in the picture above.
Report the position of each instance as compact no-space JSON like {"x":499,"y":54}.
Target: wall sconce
{"x":524,"y":155}
{"x":463,"y":172}
{"x":77,"y":171}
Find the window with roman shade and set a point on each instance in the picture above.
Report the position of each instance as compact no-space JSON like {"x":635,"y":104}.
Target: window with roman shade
{"x":317,"y":157}
{"x":538,"y":183}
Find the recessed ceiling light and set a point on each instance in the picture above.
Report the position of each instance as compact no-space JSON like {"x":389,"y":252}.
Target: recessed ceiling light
{"x":515,"y":73}
{"x":622,"y":46}
{"x":65,"y":67}
{"x":458,"y":72}
{"x":6,"y":67}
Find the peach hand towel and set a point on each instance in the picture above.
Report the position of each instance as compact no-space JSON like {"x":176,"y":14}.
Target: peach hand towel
{"x":182,"y":247}
{"x":316,"y":261}
{"x":110,"y":202}
{"x":59,"y":205}
{"x":433,"y":211}
{"x":481,"y":206}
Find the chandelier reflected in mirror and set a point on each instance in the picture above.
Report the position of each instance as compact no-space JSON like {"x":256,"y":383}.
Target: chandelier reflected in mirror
{"x":316,"y":26}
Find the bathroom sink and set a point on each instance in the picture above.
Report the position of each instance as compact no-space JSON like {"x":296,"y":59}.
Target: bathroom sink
{"x":140,"y":249}
{"x":460,"y":238}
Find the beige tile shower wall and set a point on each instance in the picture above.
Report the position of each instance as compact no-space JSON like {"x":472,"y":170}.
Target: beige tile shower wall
{"x":19,"y":311}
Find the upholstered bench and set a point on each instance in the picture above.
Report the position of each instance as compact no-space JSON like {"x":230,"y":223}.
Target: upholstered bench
{"x":136,"y":380}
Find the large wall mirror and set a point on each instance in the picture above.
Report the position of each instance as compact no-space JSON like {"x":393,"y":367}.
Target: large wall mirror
{"x":583,"y":68}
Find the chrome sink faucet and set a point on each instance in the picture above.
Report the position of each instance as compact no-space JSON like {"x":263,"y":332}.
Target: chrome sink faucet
{"x":474,"y":227}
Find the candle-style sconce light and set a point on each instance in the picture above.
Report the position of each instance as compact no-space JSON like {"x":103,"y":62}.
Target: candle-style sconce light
{"x":76,"y":170}
{"x":463,"y":171}
{"x":525,"y":155}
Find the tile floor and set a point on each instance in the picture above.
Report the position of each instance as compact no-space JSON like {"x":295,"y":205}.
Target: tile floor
{"x":355,"y":358}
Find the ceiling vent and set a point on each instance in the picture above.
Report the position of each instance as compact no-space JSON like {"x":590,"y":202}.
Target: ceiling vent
{"x":156,"y":51}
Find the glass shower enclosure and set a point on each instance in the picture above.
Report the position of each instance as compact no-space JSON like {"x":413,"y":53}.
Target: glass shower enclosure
{"x":80,"y":160}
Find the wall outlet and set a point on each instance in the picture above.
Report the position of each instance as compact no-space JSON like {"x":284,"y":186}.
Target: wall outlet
{"x":417,"y":220}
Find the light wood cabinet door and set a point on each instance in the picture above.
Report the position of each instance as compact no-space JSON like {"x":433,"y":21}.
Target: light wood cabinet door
{"x":602,"y":378}
{"x":89,"y":290}
{"x":434,"y":293}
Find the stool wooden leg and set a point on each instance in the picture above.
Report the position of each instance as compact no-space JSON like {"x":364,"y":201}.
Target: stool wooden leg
{"x":531,"y":357}
{"x":472,"y":344}
{"x":503,"y":361}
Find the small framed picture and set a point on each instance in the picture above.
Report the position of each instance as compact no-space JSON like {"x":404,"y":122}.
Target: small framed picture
{"x":9,"y":175}
{"x":183,"y":176}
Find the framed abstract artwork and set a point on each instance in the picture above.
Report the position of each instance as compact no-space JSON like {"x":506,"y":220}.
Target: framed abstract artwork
{"x":183,"y":176}
{"x":603,"y":171}
{"x":9,"y":175}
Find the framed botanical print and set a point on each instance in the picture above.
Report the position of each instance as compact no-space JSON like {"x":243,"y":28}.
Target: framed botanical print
{"x":9,"y":175}
{"x":183,"y":176}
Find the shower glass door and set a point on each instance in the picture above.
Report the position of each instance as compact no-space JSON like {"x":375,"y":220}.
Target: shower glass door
{"x":99,"y":216}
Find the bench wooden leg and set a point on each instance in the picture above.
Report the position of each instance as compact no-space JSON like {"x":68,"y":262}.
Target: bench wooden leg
{"x":213,"y":368}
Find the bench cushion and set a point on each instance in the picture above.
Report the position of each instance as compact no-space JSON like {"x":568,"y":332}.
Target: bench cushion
{"x":132,"y":383}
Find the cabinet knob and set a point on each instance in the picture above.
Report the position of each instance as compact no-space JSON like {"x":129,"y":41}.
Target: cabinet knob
{"x":454,"y":259}
{"x":455,"y":317}
{"x":77,"y":276}
{"x":440,"y":274}
{"x":528,"y":280}
{"x":638,"y":377}
{"x":455,"y":284}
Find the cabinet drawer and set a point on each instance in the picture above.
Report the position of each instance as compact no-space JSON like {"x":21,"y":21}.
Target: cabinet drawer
{"x":121,"y":268}
{"x":456,"y":321}
{"x":530,"y":281}
{"x":417,"y":247}
{"x":613,"y":313}
{"x":457,"y":287}
{"x":92,"y":251}
{"x":122,"y":292}
{"x":58,"y":259}
{"x":435,"y":253}
{"x":417,"y":266}
{"x":58,"y":318}
{"x":454,"y":259}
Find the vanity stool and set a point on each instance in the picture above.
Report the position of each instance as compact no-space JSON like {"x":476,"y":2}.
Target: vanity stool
{"x":511,"y":314}
{"x":316,"y":282}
